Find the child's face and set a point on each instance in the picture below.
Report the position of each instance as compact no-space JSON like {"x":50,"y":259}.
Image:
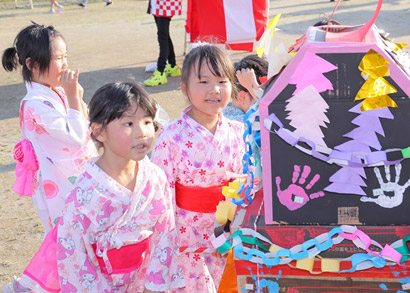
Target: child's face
{"x":246,"y":100}
{"x":58,"y":63}
{"x":129,"y":137}
{"x":208,"y":95}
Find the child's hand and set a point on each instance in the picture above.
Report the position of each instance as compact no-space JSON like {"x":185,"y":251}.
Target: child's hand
{"x":80,"y":91}
{"x":247,"y":78}
{"x":69,"y":81}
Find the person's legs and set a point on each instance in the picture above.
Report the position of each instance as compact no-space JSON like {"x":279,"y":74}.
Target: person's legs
{"x":52,"y":4}
{"x":172,"y":67}
{"x":159,"y":76}
{"x":83,"y":3}
{"x":163,"y":40}
{"x":171,"y":54}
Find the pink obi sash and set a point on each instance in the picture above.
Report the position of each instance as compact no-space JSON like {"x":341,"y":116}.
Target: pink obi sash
{"x":43,"y":268}
{"x":124,"y":260}
{"x":199,"y":199}
{"x":26,"y":167}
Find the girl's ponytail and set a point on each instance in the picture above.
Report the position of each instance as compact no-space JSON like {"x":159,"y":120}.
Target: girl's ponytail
{"x":10,"y":59}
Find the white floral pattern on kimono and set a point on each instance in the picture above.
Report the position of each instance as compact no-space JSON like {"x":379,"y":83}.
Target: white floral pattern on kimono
{"x":190,"y":155}
{"x":101,"y":211}
{"x":61,"y":140}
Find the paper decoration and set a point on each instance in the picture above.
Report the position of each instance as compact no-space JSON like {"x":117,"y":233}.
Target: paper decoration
{"x":330,"y":265}
{"x":277,"y":58}
{"x":263,"y":45}
{"x":374,"y":92}
{"x":307,"y":113}
{"x":225,"y":211}
{"x":231,"y":191}
{"x":388,"y":201}
{"x":376,"y":89}
{"x":363,"y":138}
{"x":295,"y":195}
{"x":310,"y":72}
{"x":262,"y":253}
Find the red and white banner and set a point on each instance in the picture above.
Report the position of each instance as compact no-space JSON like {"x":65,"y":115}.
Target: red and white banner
{"x":238,"y":23}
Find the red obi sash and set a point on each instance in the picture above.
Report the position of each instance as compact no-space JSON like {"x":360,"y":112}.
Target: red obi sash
{"x":124,"y":260}
{"x":199,"y":199}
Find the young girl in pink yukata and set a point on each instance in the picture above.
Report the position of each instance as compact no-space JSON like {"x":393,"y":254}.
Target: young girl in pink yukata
{"x":117,"y":232}
{"x":54,"y":123}
{"x":200,"y":152}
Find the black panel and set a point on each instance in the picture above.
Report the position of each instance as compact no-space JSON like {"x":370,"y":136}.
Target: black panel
{"x":324,"y":210}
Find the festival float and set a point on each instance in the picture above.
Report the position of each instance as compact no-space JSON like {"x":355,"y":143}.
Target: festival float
{"x":323,"y":203}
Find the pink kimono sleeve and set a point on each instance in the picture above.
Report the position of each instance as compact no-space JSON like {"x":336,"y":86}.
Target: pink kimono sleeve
{"x":43,"y":123}
{"x":162,"y":157}
{"x":76,"y":267}
{"x":163,"y":271}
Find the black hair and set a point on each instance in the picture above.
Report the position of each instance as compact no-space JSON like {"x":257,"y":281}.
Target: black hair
{"x":34,"y":42}
{"x":325,"y":21}
{"x":216,"y":60}
{"x":112,"y":100}
{"x":259,"y":66}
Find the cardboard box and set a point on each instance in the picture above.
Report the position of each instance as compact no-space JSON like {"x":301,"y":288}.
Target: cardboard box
{"x":322,"y":156}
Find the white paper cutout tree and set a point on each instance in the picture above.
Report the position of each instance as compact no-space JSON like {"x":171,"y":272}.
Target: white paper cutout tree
{"x":307,"y":114}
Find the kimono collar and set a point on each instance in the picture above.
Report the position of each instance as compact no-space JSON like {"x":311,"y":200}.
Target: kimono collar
{"x":35,"y":89}
{"x":108,"y":183}
{"x":189,"y":120}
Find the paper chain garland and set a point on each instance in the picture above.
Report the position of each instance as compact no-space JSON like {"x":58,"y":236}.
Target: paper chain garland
{"x":252,"y":169}
{"x":269,"y":254}
{"x":354,"y":159}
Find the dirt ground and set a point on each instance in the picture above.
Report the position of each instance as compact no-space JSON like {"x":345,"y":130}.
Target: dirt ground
{"x":115,"y":44}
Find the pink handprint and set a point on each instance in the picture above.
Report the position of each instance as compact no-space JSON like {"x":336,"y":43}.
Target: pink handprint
{"x":295,"y":196}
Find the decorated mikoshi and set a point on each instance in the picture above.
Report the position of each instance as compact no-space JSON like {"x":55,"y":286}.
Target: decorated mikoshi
{"x":384,"y":68}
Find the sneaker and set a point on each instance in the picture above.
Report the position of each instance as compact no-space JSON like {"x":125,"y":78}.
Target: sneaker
{"x":173,"y":71}
{"x":50,"y":10}
{"x":59,"y":8}
{"x":15,"y":287}
{"x":81,"y":5}
{"x":156,"y":79}
{"x":108,"y":3}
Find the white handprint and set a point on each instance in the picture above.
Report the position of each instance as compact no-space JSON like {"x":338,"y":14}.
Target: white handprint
{"x":388,"y":186}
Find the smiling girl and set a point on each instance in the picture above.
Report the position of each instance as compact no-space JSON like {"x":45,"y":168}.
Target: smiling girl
{"x":200,"y":152}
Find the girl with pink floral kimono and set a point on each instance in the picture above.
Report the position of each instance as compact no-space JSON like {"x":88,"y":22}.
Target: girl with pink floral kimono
{"x":117,"y":232}
{"x":200,"y":152}
{"x":56,"y":142}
